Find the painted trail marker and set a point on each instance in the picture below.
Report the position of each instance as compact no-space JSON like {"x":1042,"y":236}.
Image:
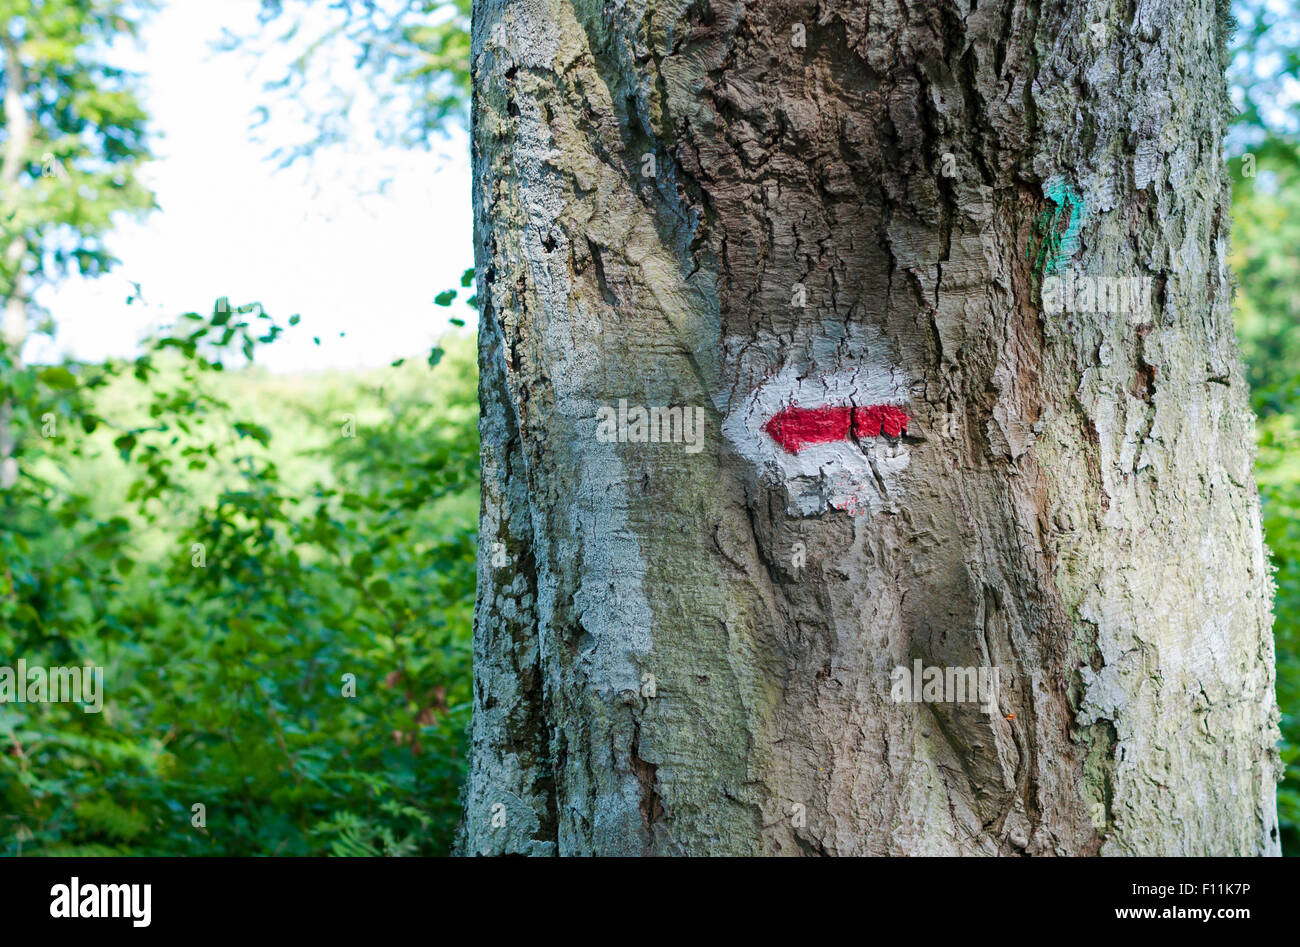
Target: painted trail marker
{"x":796,"y":428}
{"x":832,"y":440}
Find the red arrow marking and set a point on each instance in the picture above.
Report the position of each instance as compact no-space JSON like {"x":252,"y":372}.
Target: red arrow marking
{"x":878,"y":419}
{"x":795,"y":428}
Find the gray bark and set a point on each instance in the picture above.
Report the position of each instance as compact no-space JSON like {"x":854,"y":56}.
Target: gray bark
{"x":869,"y":215}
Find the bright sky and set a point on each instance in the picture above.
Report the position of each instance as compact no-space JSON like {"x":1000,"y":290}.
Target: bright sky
{"x":316,"y":239}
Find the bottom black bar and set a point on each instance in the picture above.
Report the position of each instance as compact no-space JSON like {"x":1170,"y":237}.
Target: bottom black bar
{"x":151,"y":897}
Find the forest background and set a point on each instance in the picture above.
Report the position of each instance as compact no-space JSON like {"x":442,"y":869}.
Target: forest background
{"x":275,"y":567}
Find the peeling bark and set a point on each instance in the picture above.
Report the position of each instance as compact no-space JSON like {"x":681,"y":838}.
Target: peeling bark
{"x":864,"y":205}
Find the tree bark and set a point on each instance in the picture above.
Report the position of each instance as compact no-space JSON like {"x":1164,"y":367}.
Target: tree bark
{"x":848,"y":209}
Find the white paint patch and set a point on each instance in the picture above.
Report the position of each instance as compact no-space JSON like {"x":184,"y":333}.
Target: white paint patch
{"x":853,"y":475}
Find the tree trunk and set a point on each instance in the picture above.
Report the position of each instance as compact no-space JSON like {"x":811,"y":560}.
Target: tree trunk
{"x":949,"y":285}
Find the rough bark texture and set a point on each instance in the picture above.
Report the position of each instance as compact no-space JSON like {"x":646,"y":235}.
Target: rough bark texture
{"x":1073,"y":502}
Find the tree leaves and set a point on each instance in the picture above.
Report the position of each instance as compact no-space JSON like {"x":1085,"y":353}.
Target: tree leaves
{"x":228,"y":590}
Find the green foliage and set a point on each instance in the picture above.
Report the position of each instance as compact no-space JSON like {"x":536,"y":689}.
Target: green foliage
{"x":1264,"y":66}
{"x":229,"y":547}
{"x":1265,"y":260}
{"x":1265,"y":167}
{"x":1278,"y":472}
{"x":414,"y":54}
{"x":71,"y":156}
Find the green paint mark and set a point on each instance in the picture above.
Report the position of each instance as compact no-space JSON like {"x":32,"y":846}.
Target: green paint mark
{"x":1057,"y":229}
